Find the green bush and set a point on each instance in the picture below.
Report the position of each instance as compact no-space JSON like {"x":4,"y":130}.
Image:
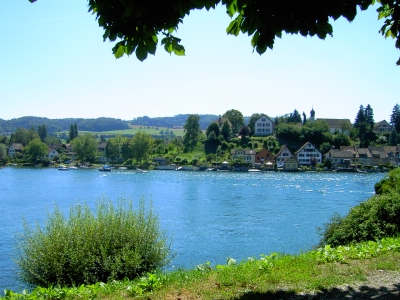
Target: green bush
{"x":373,"y":219}
{"x":389,"y":183}
{"x":113,"y":244}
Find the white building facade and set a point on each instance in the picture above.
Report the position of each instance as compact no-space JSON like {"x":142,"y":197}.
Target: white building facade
{"x":263,"y":126}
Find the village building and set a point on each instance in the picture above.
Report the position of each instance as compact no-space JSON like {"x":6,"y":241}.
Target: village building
{"x":282,"y":156}
{"x":264,"y":156}
{"x":291,"y":165}
{"x":263,"y":126}
{"x":245,"y":155}
{"x":336,"y":125}
{"x":382,"y":127}
{"x":308,"y":154}
{"x":14,"y":149}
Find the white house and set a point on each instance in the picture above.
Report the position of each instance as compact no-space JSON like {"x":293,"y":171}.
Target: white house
{"x":15,"y":148}
{"x":282,"y":155}
{"x":247,"y":156}
{"x":51,"y":153}
{"x":263,"y":126}
{"x":308,"y":154}
{"x":382,"y":127}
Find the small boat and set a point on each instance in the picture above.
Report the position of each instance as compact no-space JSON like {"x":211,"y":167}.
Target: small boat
{"x":210,"y":169}
{"x":254,"y":170}
{"x":140,"y":171}
{"x":178,"y":168}
{"x":122,"y":168}
{"x":105,"y":168}
{"x":63,"y":168}
{"x":73,"y":168}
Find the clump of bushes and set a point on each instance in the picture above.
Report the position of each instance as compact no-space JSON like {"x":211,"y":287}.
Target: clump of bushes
{"x":114,"y":243}
{"x":373,"y":219}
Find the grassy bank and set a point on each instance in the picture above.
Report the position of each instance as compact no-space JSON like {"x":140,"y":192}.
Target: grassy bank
{"x":268,"y":277}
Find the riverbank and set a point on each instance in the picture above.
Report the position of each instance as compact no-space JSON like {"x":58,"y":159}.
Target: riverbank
{"x":362,"y":271}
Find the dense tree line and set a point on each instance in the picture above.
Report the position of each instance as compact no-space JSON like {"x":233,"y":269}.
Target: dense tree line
{"x":56,"y":125}
{"x":169,"y":122}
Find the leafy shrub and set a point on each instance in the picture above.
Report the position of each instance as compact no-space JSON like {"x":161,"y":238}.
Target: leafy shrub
{"x":389,"y":183}
{"x":85,"y":248}
{"x":373,"y":219}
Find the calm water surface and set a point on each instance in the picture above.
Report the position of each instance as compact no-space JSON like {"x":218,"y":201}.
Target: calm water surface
{"x":208,"y":215}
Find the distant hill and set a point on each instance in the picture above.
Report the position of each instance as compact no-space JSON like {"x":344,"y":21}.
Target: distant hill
{"x":178,"y":120}
{"x":56,"y":125}
{"x":103,"y":124}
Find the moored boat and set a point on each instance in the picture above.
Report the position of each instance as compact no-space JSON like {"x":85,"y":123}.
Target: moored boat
{"x":105,"y":168}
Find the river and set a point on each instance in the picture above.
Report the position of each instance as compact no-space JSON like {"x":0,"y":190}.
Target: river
{"x":209,"y":216}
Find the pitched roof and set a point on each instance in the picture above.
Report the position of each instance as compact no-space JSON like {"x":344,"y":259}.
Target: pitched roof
{"x":334,"y":122}
{"x":302,"y":147}
{"x":17,"y":146}
{"x":282,"y":149}
{"x":246,"y":151}
{"x":344,"y":154}
{"x":364,"y":151}
{"x":378,"y":124}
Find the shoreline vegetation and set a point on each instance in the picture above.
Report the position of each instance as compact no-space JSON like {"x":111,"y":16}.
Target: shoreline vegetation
{"x":318,"y":273}
{"x":358,"y":257}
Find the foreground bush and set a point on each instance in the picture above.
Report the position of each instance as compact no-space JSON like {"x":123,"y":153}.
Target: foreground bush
{"x":85,"y":248}
{"x":372,"y":219}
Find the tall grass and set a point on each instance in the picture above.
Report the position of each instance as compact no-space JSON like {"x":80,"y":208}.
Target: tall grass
{"x":114,"y":243}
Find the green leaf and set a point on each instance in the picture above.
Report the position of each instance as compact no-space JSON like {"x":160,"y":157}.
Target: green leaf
{"x":151,"y":47}
{"x":254,"y":39}
{"x":179,"y":50}
{"x":141,"y":52}
{"x":231,"y":8}
{"x":119,"y":50}
{"x":234,"y":27}
{"x":130,"y":47}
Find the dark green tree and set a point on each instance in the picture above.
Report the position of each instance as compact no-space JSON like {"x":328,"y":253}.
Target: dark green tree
{"x":304,"y":118}
{"x":73,"y":131}
{"x":341,"y":139}
{"x":294,"y":117}
{"x":316,"y":132}
{"x":394,"y":138}
{"x":395,"y":118}
{"x":236,"y":118}
{"x":141,"y":145}
{"x":245,"y":131}
{"x":226,"y":130}
{"x":360,"y":118}
{"x":192,"y":132}
{"x":213,"y":127}
{"x":113,"y":148}
{"x":369,"y":116}
{"x":23,"y":136}
{"x":36,"y":150}
{"x":42,"y":131}
{"x":325,"y":147}
{"x":126,"y":149}
{"x":85,"y":147}
{"x":3,"y":153}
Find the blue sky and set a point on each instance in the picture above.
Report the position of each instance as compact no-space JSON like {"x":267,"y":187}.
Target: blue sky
{"x":54,"y":64}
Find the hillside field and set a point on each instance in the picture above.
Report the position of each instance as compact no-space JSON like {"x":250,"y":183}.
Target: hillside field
{"x":136,"y":128}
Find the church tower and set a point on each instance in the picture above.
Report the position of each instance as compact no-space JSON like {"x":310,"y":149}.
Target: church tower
{"x":312,"y":115}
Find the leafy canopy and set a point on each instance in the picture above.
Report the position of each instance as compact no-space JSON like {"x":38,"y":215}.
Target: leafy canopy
{"x":136,"y":24}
